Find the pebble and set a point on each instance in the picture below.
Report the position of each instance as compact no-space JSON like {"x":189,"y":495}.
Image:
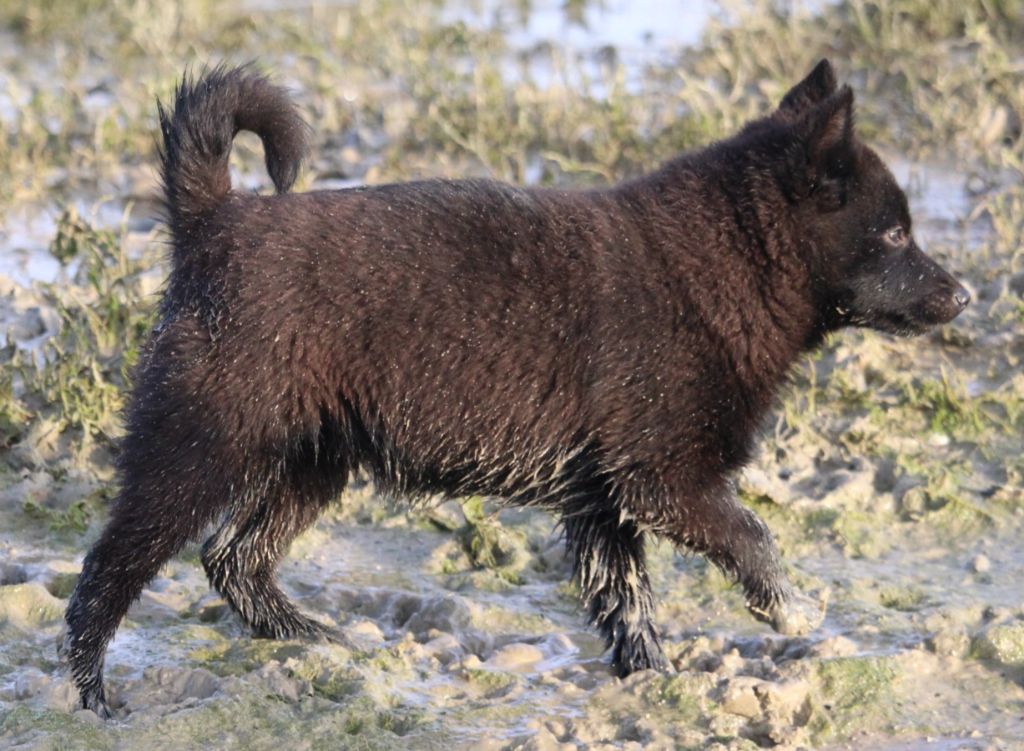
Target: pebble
{"x":12,"y":573}
{"x":30,"y":684}
{"x":981,"y":564}
{"x":366,"y":631}
{"x":445,"y":648}
{"x":739,"y":697}
{"x":62,"y":696}
{"x":87,"y":716}
{"x":731,"y":663}
{"x":516,"y":656}
{"x":198,"y":684}
{"x":289,"y":689}
{"x":29,"y":605}
{"x":445,"y":613}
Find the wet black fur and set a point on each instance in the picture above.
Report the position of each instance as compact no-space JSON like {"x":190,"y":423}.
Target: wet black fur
{"x":607,"y":354}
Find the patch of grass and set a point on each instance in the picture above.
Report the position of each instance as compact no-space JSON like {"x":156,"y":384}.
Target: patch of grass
{"x":488,"y":544}
{"x":75,"y":518}
{"x":82,"y":374}
{"x":915,"y":61}
{"x":62,"y":731}
{"x":686,"y":692}
{"x":852,"y":693}
{"x":793,"y":527}
{"x":14,"y":418}
{"x":490,"y":681}
{"x":947,"y":406}
{"x":906,"y":599}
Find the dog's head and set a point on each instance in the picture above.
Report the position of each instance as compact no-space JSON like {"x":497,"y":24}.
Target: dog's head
{"x":855,"y":226}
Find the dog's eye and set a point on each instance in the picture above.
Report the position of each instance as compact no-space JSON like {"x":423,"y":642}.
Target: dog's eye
{"x":897,"y":237}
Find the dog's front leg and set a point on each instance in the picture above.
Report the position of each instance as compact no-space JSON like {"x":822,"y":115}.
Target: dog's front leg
{"x":608,"y":561}
{"x":736,"y":540}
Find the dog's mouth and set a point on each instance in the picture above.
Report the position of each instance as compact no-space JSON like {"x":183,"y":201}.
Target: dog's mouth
{"x":915,"y":321}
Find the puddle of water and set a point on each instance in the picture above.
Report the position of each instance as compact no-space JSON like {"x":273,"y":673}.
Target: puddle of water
{"x":24,"y":242}
{"x":636,"y":30}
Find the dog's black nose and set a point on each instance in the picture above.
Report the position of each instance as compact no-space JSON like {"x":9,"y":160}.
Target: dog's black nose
{"x":962,"y":297}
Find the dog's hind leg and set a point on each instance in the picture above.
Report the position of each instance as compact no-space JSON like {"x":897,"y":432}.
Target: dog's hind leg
{"x":242,"y":556}
{"x":608,"y":561}
{"x":159,"y":509}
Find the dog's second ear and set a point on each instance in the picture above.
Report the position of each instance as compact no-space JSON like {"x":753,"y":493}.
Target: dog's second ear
{"x":818,"y":86}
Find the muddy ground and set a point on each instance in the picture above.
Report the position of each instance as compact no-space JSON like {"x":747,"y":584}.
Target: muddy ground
{"x":891,"y":471}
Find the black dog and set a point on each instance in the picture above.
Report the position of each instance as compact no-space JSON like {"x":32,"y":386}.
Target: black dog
{"x":606,"y":354}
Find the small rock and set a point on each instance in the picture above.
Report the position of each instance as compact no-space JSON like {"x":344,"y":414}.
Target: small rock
{"x":198,"y":684}
{"x":470,"y":662}
{"x":366,"y":631}
{"x":783,"y":700}
{"x":914,"y":503}
{"x":289,"y":689}
{"x":515,"y":656}
{"x":61,"y":584}
{"x":87,"y":716}
{"x":949,"y":642}
{"x":740,"y":699}
{"x":30,"y":684}
{"x":214,"y":612}
{"x":1003,"y":643}
{"x":980,"y":564}
{"x":446,"y":613}
{"x":62,"y":696}
{"x":731,"y":663}
{"x":445,"y":648}
{"x":29,"y":605}
{"x":12,"y":573}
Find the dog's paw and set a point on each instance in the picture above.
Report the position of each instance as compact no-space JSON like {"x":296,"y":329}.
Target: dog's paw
{"x":795,"y":615}
{"x":327,"y":635}
{"x":93,"y":698}
{"x":631,"y":655}
{"x":305,"y":629}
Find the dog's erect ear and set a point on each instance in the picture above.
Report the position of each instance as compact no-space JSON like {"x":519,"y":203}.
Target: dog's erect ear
{"x":829,"y":132}
{"x":818,"y":86}
{"x":829,"y":150}
{"x":823,"y":153}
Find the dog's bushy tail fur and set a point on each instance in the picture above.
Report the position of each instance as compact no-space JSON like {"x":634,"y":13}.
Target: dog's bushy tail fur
{"x":197,"y":132}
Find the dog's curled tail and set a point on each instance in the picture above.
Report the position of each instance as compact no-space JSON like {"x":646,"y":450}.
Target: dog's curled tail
{"x":197,"y":133}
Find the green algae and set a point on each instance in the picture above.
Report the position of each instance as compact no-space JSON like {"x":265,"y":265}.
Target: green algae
{"x":61,"y":731}
{"x":852,"y":693}
{"x":29,"y":606}
{"x":685,"y":693}
{"x":331,"y":676}
{"x":491,"y":682}
{"x":1002,"y":643}
{"x":229,"y":657}
{"x":907,"y":599}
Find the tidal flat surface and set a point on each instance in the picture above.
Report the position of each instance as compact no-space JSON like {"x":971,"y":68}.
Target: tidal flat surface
{"x":891,"y":471}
